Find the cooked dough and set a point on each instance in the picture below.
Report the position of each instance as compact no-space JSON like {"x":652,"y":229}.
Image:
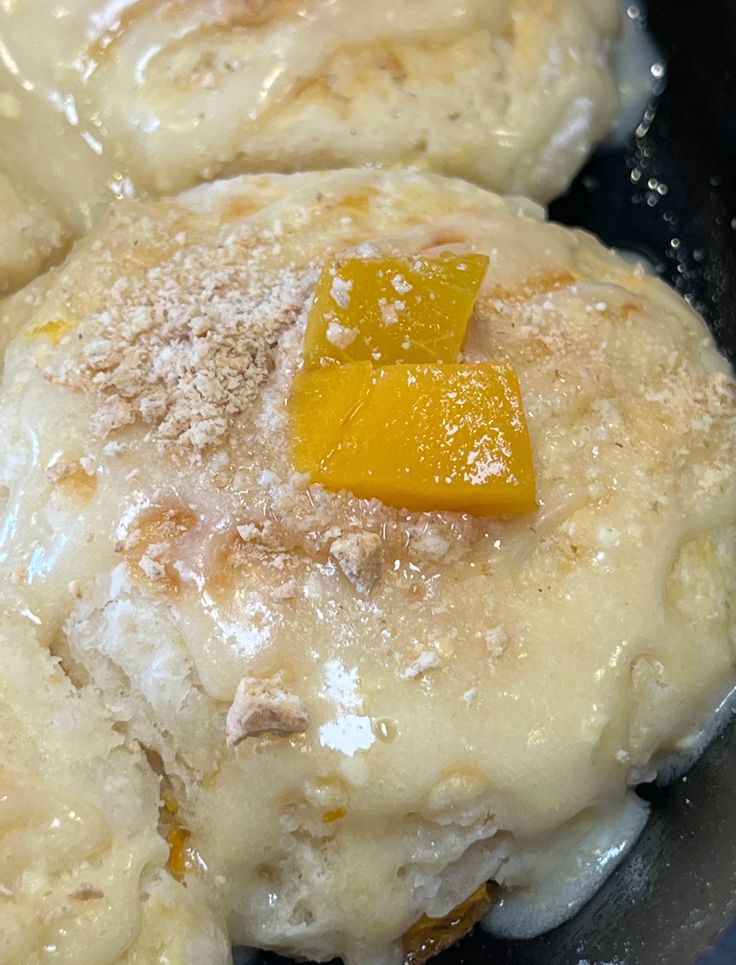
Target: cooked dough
{"x":147,"y":97}
{"x":158,"y":95}
{"x":82,"y":865}
{"x":28,"y":235}
{"x":480,"y":710}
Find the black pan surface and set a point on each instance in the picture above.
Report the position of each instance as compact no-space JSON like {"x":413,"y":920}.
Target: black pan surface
{"x":669,"y":194}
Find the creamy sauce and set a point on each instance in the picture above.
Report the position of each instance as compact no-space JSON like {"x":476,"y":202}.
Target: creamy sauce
{"x":571,"y":676}
{"x":551,"y":880}
{"x":690,"y":747}
{"x":638,"y":260}
{"x":640,"y":72}
{"x":112,"y":99}
{"x":129,"y":99}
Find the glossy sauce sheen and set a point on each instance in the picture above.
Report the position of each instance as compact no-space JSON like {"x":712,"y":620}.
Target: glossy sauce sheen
{"x":421,"y":437}
{"x":448,"y":743}
{"x":393,"y":310}
{"x":131,"y":97}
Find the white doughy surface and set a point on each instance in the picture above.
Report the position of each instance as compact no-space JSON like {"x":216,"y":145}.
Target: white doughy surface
{"x":158,"y":95}
{"x":502,"y":686}
{"x":28,"y":235}
{"x":82,"y":865}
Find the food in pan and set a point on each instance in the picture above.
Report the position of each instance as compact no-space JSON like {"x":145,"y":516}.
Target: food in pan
{"x":146,"y":98}
{"x":346,"y":727}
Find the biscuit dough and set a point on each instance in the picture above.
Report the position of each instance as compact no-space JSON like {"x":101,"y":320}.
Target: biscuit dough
{"x":483,"y":712}
{"x":154,"y":96}
{"x":28,"y":236}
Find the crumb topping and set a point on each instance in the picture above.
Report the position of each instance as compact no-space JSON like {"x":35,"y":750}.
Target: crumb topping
{"x":153,"y":568}
{"x":426,"y":661}
{"x":497,"y":641}
{"x":360,"y":557}
{"x":113,"y":412}
{"x":285,"y":591}
{"x":59,"y":469}
{"x":263,"y":707}
{"x":186,"y":346}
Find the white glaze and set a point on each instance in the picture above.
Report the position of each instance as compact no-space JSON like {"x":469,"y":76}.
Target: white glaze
{"x":600,"y":635}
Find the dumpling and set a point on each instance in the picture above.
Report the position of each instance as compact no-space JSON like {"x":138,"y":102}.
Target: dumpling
{"x":345,"y":759}
{"x":142,"y":99}
{"x":154,"y":97}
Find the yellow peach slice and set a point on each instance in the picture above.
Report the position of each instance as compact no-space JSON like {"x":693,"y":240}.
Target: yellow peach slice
{"x":387,"y":310}
{"x":423,"y":437}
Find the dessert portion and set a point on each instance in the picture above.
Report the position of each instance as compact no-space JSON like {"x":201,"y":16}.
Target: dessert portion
{"x":149,"y":97}
{"x":352,"y":728}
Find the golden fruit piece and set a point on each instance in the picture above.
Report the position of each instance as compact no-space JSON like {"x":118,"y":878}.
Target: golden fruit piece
{"x":423,"y":437}
{"x":387,"y":310}
{"x":431,"y":936}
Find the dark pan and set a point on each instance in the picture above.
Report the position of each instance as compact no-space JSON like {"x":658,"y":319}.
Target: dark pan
{"x":673,"y":900}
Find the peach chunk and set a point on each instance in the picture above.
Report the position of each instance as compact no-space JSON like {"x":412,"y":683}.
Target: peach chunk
{"x":424,"y":437}
{"x":385,"y":310}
